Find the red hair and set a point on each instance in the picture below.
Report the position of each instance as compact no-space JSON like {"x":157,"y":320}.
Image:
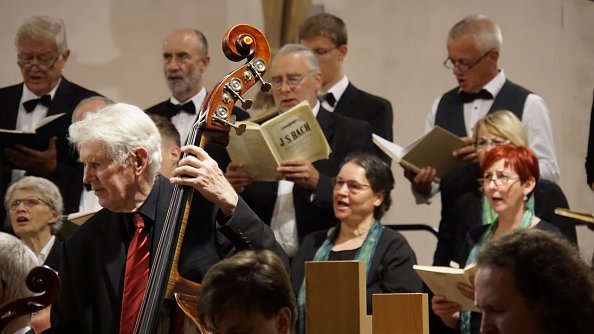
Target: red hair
{"x":521,"y":159}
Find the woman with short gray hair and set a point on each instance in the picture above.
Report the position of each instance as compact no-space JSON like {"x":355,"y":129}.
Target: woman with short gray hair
{"x":35,"y":207}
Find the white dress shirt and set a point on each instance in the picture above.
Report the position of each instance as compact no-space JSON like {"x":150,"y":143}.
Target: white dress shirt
{"x":27,"y":121}
{"x":283,"y":222}
{"x":337,"y":90}
{"x":183,"y":121}
{"x":46,"y":250}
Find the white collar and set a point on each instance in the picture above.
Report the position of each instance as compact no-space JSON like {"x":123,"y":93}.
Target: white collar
{"x":197,"y":99}
{"x":46,"y":249}
{"x":495,"y":85}
{"x":316,"y":108}
{"x":338,"y":89}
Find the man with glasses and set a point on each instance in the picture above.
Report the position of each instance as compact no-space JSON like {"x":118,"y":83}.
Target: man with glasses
{"x":185,"y":59}
{"x":326,"y":35}
{"x":301,"y":201}
{"x":474,"y":45}
{"x":42,"y":53}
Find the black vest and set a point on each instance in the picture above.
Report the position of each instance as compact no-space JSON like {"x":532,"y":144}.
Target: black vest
{"x":450,"y":111}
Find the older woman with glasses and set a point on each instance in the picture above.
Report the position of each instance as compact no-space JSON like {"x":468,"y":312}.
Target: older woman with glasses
{"x":508,"y":176}
{"x":35,"y":207}
{"x":361,"y":196}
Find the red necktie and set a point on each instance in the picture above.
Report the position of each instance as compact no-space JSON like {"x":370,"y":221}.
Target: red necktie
{"x":135,"y":277}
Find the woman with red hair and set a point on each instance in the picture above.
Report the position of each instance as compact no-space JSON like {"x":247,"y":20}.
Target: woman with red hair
{"x":509,"y":175}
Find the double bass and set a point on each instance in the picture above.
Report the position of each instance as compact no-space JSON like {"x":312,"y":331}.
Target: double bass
{"x":213,"y":125}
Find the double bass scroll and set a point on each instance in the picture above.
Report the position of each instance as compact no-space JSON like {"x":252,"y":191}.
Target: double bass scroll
{"x":41,"y":280}
{"x":213,"y":125}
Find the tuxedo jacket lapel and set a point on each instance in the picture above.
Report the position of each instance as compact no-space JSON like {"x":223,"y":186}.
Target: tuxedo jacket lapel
{"x":347,"y":102}
{"x":59,"y":102}
{"x":9,"y":102}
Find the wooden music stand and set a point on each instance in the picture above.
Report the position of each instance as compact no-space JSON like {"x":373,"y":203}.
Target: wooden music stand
{"x":402,"y":313}
{"x":335,"y":298}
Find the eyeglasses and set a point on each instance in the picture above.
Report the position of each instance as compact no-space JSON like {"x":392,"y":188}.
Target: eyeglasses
{"x":481,"y":144}
{"x":28,"y":202}
{"x":321,"y":51}
{"x":451,"y":64}
{"x":353,"y":186}
{"x":499,"y":181}
{"x":44,"y":62}
{"x":293,"y":80}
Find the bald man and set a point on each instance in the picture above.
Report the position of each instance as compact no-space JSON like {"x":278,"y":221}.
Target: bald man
{"x":185,"y":59}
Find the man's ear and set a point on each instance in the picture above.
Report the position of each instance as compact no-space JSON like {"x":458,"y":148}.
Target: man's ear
{"x":343,"y":50}
{"x":140,"y":162}
{"x":284,"y":321}
{"x":175,"y":152}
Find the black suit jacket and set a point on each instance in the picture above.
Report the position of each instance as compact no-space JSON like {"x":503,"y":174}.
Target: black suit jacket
{"x":53,"y":258}
{"x":372,"y":109}
{"x":68,"y":173}
{"x":216,"y":151}
{"x":314,"y":213}
{"x":93,"y":259}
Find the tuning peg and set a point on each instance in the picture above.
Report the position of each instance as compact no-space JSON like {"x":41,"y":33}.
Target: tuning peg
{"x":257,"y":67}
{"x":220,"y":116}
{"x":233,"y":87}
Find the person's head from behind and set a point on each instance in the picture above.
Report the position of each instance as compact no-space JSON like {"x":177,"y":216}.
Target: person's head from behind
{"x":120,"y":148}
{"x":509,"y":174}
{"x":42,"y":52}
{"x":295,"y":76}
{"x":249,"y":292}
{"x":35,"y":207}
{"x":90,"y":104}
{"x":362,"y":188}
{"x":532,"y":281}
{"x":326,"y":35}
{"x":170,"y":145}
{"x":498,"y":128}
{"x":185,"y":58}
{"x":474,"y":44}
{"x":16,"y":260}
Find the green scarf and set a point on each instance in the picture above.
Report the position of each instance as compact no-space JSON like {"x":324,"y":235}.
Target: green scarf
{"x":365,"y":254}
{"x":488,"y":235}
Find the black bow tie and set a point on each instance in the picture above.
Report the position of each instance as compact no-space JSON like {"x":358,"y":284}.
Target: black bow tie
{"x":187,"y":107}
{"x":329,"y":98}
{"x":469,"y":97}
{"x":30,"y":105}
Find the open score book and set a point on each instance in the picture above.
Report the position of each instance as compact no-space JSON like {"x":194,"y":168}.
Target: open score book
{"x":294,"y":134}
{"x":433,"y":149}
{"x":444,"y":280}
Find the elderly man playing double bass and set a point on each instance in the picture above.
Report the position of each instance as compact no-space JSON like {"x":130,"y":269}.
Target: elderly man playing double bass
{"x":119,"y":147}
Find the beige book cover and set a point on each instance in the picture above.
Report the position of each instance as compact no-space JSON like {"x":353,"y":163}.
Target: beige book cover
{"x":80,"y":218}
{"x":294,"y":134}
{"x":432,"y":149}
{"x":444,"y":281}
{"x":581,"y":216}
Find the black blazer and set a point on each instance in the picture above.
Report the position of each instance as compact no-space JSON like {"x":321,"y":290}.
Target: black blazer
{"x":69,"y":172}
{"x":372,"y":109}
{"x":93,"y":259}
{"x":314,"y":213}
{"x":53,"y":258}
